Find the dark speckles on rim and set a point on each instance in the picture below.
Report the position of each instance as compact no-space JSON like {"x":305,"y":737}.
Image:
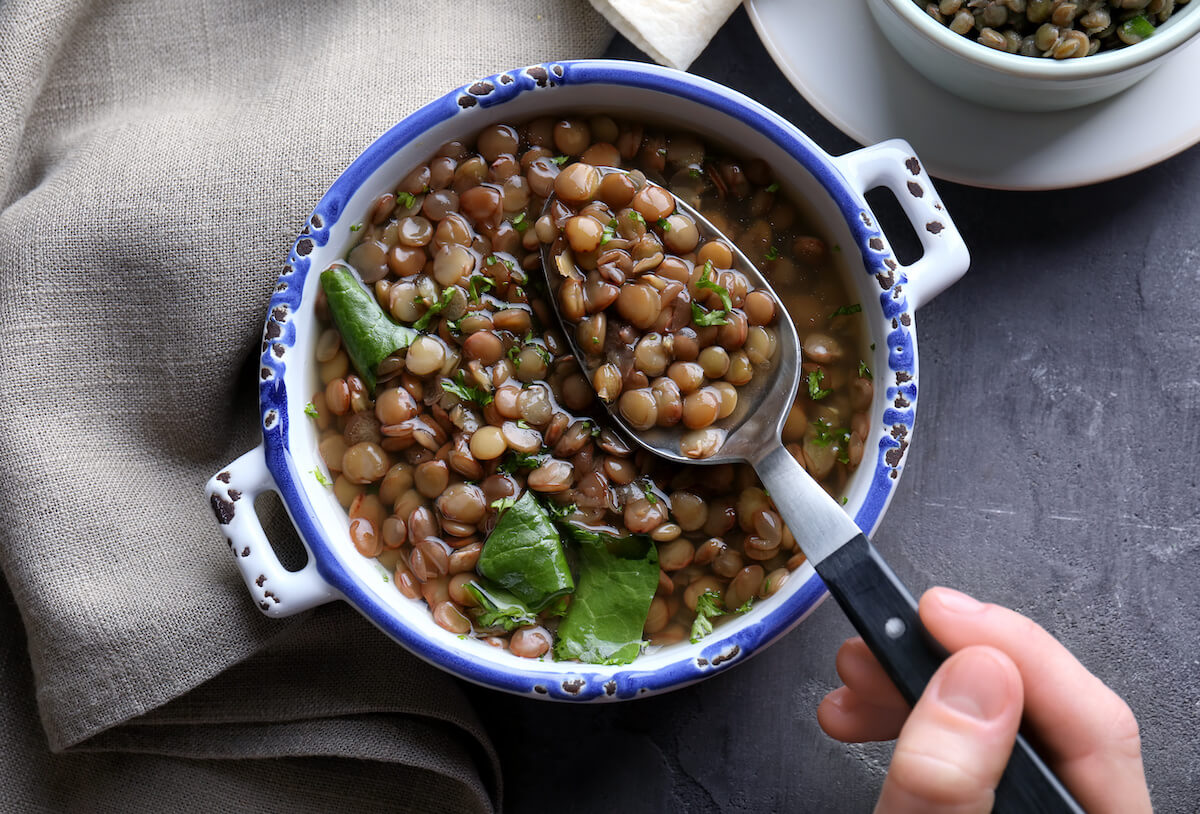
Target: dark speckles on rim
{"x":731,"y":653}
{"x":866,"y":219}
{"x":482,"y":88}
{"x":915,"y":189}
{"x":269,"y":419}
{"x":280,"y":313}
{"x":466,"y":101}
{"x":935,"y":227}
{"x":610,"y":688}
{"x":224,"y":477}
{"x":261,"y":579}
{"x":304,"y":246}
{"x":557,"y":70}
{"x":539,"y":689}
{"x":505,"y":79}
{"x":572,"y":686}
{"x":876,"y":244}
{"x":278,"y":350}
{"x":914,"y":166}
{"x":265,"y":373}
{"x":317,"y":221}
{"x":272,"y":331}
{"x":540,"y":75}
{"x":246,"y":551}
{"x":222,"y":508}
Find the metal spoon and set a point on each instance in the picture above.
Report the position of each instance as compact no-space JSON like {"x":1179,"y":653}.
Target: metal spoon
{"x":880,"y":607}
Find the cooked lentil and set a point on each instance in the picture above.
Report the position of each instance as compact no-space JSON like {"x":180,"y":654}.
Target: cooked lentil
{"x":489,"y":401}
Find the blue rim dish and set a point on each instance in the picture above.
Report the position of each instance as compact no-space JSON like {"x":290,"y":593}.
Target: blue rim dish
{"x":579,"y":681}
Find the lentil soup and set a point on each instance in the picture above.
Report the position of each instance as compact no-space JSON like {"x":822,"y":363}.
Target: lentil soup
{"x":466,"y":442}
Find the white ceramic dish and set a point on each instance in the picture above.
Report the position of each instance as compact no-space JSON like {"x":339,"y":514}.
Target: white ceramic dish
{"x":999,"y":79}
{"x":849,"y":72}
{"x":284,"y":462}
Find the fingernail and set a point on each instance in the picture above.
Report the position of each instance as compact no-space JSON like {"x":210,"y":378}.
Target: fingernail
{"x":958,"y":602}
{"x":975,"y":684}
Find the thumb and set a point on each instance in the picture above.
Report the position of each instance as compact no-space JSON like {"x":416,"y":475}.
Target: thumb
{"x":955,"y":744}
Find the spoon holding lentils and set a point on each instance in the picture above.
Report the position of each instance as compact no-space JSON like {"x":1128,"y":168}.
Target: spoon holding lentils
{"x":687,"y":347}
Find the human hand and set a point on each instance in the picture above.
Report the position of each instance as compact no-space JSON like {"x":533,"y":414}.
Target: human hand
{"x":953,"y":745}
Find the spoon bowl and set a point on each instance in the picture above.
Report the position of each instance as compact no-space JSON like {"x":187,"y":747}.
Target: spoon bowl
{"x":763,"y":403}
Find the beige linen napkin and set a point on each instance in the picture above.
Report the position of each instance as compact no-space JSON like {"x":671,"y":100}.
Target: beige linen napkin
{"x":156,"y":161}
{"x":672,"y":32}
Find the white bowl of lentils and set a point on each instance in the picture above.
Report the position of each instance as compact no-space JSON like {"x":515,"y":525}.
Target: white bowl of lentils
{"x":1036,"y":55}
{"x":449,"y":468}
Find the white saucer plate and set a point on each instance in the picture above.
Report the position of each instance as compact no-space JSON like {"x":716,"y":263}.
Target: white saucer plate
{"x":841,"y":63}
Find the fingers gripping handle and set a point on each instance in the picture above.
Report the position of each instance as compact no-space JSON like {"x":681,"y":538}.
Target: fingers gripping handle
{"x":884,"y":613}
{"x":276,"y":591}
{"x":894,"y":165}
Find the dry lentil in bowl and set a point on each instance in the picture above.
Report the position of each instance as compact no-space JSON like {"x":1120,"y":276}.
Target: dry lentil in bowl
{"x":668,"y":329}
{"x":465,"y":439}
{"x":1058,"y":29}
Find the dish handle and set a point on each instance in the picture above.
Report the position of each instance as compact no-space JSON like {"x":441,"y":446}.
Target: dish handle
{"x":894,"y":165}
{"x":276,"y":590}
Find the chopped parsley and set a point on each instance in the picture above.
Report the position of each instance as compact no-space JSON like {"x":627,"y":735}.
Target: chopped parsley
{"x":636,"y":217}
{"x":478,"y":284}
{"x":772,"y":253}
{"x":405,"y":199}
{"x":707,"y":318}
{"x":864,"y":372}
{"x":773,"y":186}
{"x":828,"y":434}
{"x":815,"y":391}
{"x":557,"y":511}
{"x":321,"y":478}
{"x":354,"y":227}
{"x":561,"y":159}
{"x":708,"y":607}
{"x":845,"y":500}
{"x":707,"y":283}
{"x":310,"y":410}
{"x":491,"y":260}
{"x":845,"y":310}
{"x":520,"y":222}
{"x":662,"y":224}
{"x":504,"y":503}
{"x":662,"y":151}
{"x":514,"y":460}
{"x":694,"y":172}
{"x":648,"y":490}
{"x":435,"y":309}
{"x":610,"y":231}
{"x":464,"y":391}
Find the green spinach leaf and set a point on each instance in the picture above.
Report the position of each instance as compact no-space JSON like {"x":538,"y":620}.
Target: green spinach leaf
{"x":524,"y":555}
{"x":617,"y":580}
{"x":368,"y":334}
{"x":499,"y":608}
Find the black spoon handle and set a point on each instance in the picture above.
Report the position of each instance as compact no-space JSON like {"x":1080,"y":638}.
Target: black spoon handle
{"x":884,"y":613}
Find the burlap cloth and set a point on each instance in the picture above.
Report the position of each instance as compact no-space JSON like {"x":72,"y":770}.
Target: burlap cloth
{"x":157,"y":159}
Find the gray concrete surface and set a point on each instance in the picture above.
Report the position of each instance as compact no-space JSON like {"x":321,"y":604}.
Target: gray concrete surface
{"x":1054,"y":470}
